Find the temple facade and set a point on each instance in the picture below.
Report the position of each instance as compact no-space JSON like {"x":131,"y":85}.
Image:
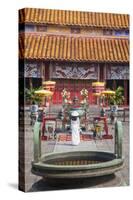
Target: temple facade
{"x":74,"y":49}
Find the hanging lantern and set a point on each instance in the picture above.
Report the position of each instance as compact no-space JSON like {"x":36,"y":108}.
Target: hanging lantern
{"x":98,"y":87}
{"x":43,"y":93}
{"x":108,"y":92}
{"x":49,"y":85}
{"x":97,"y":94}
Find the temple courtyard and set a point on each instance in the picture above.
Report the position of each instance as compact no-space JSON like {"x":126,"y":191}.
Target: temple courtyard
{"x":36,"y":183}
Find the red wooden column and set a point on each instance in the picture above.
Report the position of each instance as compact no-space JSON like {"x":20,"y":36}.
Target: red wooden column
{"x":43,"y":72}
{"x":47,"y":71}
{"x":101,"y":73}
{"x":30,"y":83}
{"x":125,"y":92}
{"x":114,"y":85}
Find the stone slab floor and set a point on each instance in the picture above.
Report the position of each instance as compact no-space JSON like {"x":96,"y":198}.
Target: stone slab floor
{"x":36,"y":183}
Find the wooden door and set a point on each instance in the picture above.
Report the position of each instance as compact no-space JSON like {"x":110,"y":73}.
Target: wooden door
{"x":74,"y":86}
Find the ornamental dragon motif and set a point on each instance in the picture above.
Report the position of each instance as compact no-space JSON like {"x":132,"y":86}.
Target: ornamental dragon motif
{"x":32,"y":70}
{"x":118,"y":72}
{"x":74,"y":71}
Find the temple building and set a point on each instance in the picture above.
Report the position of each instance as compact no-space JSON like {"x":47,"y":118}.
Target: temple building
{"x":74,"y":49}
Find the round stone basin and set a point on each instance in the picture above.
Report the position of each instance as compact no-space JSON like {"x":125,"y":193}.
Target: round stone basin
{"x":78,"y":164}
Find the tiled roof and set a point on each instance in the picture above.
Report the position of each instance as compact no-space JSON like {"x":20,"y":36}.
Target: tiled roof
{"x":77,"y":18}
{"x":51,"y":47}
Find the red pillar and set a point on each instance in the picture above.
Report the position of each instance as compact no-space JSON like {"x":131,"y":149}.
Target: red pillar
{"x":125,"y":92}
{"x":114,"y":85}
{"x":47,"y":71}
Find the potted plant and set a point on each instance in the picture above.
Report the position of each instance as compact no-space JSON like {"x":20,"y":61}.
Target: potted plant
{"x":84,"y":102}
{"x":118,"y":97}
{"x":114,"y":101}
{"x":30,"y":96}
{"x":66,"y":97}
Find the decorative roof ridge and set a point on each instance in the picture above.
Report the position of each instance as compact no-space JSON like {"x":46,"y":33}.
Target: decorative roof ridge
{"x":74,"y":18}
{"x":71,"y":10}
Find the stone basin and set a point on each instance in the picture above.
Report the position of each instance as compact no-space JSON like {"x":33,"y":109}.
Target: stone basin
{"x":78,"y":164}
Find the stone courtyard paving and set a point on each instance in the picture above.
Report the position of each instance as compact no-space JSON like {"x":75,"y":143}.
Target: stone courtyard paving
{"x":36,"y":183}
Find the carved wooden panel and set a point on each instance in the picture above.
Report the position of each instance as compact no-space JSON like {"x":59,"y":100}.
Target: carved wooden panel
{"x":74,"y":71}
{"x":32,"y":70}
{"x":58,"y":29}
{"x":41,"y":28}
{"x":117,"y":72}
{"x":91,"y":31}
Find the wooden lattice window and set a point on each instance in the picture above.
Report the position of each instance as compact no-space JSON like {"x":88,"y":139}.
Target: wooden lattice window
{"x":75,"y":30}
{"x":29,"y":28}
{"x":107,"y":32}
{"x":41,"y":28}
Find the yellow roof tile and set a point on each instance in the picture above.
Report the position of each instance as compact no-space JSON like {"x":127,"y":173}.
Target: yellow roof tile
{"x":47,"y":47}
{"x":78,"y":18}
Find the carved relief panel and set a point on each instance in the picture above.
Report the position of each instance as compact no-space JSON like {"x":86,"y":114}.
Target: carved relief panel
{"x":117,"y":72}
{"x":74,"y":71}
{"x":32,"y":70}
